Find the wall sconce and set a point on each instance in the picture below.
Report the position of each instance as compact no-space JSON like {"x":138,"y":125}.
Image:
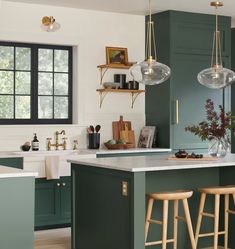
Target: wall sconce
{"x":49,"y":24}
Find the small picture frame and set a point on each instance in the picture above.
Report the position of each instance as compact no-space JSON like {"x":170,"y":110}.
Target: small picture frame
{"x":116,"y":56}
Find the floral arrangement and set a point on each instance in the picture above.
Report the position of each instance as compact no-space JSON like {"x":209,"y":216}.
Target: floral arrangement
{"x":216,"y":126}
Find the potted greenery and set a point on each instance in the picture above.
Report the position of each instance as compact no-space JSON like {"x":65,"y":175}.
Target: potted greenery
{"x":216,"y":129}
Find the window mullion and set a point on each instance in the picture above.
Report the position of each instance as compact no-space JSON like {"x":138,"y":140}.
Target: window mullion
{"x":34,"y":84}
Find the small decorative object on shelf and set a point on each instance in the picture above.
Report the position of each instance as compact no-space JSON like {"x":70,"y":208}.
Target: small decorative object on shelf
{"x":215,"y":129}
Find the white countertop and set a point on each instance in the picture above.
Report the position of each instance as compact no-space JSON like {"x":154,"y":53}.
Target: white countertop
{"x":7,"y":172}
{"x":152,"y":163}
{"x":88,"y":152}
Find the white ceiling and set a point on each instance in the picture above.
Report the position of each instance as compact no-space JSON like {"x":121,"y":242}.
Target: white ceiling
{"x":140,"y":7}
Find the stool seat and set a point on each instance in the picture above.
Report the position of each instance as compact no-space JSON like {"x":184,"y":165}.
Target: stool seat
{"x":171,"y":195}
{"x":218,"y":190}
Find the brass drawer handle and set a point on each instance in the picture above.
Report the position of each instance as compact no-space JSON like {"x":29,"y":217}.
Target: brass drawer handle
{"x":177,"y":111}
{"x":58,"y":184}
{"x":63,"y":184}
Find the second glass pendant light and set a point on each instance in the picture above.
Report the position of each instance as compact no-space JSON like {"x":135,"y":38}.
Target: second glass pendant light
{"x":216,"y":77}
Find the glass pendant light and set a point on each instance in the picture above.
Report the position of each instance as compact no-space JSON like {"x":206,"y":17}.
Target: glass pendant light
{"x":49,"y":24}
{"x":150,"y":72}
{"x":216,"y":77}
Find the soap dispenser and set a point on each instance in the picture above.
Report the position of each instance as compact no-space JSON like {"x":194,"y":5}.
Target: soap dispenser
{"x":35,"y":143}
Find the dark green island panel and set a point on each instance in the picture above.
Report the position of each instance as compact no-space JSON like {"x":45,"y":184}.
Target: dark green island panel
{"x":14,"y":162}
{"x":102,"y":218}
{"x":17,"y":212}
{"x":52,"y":203}
{"x":184,"y":42}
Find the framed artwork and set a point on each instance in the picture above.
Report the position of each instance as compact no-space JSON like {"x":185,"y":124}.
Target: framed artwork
{"x":116,"y":56}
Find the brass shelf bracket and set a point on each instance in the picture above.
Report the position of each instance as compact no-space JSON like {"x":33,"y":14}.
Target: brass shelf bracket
{"x":104,"y":92}
{"x":102,"y":96}
{"x":133,"y":98}
{"x":103,"y":71}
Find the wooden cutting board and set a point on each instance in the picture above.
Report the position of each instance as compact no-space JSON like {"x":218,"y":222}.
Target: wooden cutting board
{"x":119,"y":126}
{"x":124,"y":134}
{"x":193,"y":159}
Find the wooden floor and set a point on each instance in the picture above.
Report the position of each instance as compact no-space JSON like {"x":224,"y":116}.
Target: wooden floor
{"x":53,"y":239}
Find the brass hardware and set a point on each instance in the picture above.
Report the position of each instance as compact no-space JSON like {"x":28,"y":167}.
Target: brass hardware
{"x":177,"y":111}
{"x":75,"y":144}
{"x":48,"y":143}
{"x":57,"y":144}
{"x":217,"y":4}
{"x":63,"y":184}
{"x":124,"y":188}
{"x":134,"y":94}
{"x":133,"y":98}
{"x":58,"y":184}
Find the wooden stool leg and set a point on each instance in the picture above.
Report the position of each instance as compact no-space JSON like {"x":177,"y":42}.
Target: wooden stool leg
{"x":176,"y":211}
{"x":199,"y":219}
{"x":226,"y":208}
{"x":216,"y":220}
{"x":148,"y":216}
{"x":164,"y":223}
{"x":189,"y":223}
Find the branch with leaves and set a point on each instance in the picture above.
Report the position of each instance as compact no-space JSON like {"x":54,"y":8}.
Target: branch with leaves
{"x":217,"y":124}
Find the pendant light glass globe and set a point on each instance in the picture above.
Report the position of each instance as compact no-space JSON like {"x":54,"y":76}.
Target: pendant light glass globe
{"x":149,"y":71}
{"x":216,"y":77}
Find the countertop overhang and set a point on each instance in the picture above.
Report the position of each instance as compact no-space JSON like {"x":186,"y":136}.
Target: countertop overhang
{"x":152,"y":163}
{"x":8,"y":172}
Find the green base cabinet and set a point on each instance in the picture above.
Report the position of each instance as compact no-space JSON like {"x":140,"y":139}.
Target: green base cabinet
{"x":184,"y":42}
{"x":52,"y":203}
{"x":17,"y":212}
{"x":14,"y":162}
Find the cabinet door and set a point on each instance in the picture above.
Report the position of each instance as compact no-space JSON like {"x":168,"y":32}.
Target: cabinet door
{"x":47,"y":205}
{"x":12,"y":162}
{"x":191,"y":97}
{"x":65,"y":199}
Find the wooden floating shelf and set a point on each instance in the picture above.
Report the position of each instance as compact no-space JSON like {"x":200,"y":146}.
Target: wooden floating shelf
{"x":117,"y":66}
{"x":104,"y":91}
{"x":120,"y":90}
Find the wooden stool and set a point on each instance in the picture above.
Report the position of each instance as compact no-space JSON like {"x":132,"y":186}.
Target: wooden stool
{"x":217,"y":192}
{"x":166,"y":197}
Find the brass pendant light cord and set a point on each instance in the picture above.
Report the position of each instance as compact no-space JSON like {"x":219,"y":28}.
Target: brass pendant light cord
{"x":150,"y":36}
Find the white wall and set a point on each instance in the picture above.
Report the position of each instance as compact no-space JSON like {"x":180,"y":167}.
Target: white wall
{"x":89,"y":32}
{"x":233,"y":23}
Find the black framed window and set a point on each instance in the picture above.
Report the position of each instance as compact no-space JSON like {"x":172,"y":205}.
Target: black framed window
{"x":35,"y":84}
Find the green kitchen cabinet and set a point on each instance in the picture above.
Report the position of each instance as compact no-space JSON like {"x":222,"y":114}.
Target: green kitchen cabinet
{"x":15,"y":162}
{"x":17,"y":212}
{"x":52,"y":203}
{"x":184,"y":42}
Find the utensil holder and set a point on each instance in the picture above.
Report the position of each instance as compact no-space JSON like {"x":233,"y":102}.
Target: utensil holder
{"x":94,"y":141}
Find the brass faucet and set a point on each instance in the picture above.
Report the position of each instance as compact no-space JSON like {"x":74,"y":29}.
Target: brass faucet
{"x":57,"y":144}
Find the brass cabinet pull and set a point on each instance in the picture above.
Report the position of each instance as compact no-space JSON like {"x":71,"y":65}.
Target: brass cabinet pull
{"x":63,"y":184}
{"x":177,"y":111}
{"x":58,"y":184}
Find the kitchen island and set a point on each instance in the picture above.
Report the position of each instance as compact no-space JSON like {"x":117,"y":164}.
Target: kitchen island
{"x":16,"y":208}
{"x":109,"y":198}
